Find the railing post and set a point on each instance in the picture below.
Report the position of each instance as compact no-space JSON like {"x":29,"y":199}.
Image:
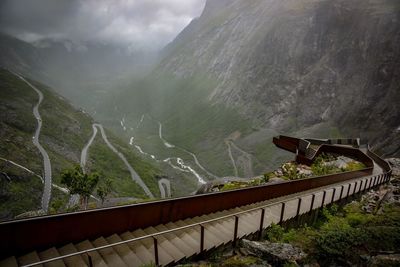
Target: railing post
{"x":365,"y":185}
{"x":236,"y":230}
{"x":370,"y":182}
{"x":89,"y":260}
{"x":282,"y":212}
{"x":201,"y":238}
{"x":355,"y":186}
{"x":298,"y":211}
{"x":341,"y":192}
{"x":348,"y":191}
{"x":261,"y":223}
{"x":156,"y":251}
{"x":323,"y":199}
{"x":312,"y":202}
{"x":298,"y":207}
{"x":333,"y":194}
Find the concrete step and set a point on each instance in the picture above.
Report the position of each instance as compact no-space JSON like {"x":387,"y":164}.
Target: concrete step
{"x":224,"y":233}
{"x":109,"y":255}
{"x":50,"y":254}
{"x":9,"y":262}
{"x":220,"y":232}
{"x":178,"y":241}
{"x":163,"y":257}
{"x":211,"y":234}
{"x":97,"y":260}
{"x":31,"y":257}
{"x":145,"y":256}
{"x":210,"y":240}
{"x":195,"y":234}
{"x":168,"y":246}
{"x":188,"y":236}
{"x":227,"y":224}
{"x":246,"y":226}
{"x":124,"y":252}
{"x":74,"y":260}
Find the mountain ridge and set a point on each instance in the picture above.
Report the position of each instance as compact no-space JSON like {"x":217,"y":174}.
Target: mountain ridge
{"x":278,"y":61}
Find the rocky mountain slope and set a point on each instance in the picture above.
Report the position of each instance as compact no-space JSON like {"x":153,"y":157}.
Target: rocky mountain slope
{"x":293,"y":64}
{"x":65,"y":131}
{"x":84,"y":74}
{"x":246,"y":70}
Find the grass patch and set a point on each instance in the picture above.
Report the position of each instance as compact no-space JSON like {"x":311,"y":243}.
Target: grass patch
{"x":341,"y":235}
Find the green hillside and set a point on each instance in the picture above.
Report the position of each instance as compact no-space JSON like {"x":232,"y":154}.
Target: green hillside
{"x":190,"y":121}
{"x":65,"y":131}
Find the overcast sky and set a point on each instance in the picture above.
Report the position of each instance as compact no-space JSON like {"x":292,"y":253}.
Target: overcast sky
{"x":139,"y":24}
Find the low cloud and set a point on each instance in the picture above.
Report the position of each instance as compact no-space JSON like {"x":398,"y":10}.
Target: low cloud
{"x":139,"y":24}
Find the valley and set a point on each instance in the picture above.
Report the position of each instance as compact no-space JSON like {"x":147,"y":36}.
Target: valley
{"x":202,"y":108}
{"x":57,"y":148}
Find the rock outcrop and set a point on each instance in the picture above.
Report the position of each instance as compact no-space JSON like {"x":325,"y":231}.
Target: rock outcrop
{"x":277,"y":254}
{"x":293,"y":64}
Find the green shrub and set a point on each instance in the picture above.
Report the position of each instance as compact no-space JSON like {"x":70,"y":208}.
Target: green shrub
{"x":290,"y":171}
{"x":275,"y":233}
{"x":354,"y":166}
{"x":268,"y":176}
{"x":237,"y":261}
{"x":358,"y":219}
{"x":319,"y":167}
{"x":338,"y":242}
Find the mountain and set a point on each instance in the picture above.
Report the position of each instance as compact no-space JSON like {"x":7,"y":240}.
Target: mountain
{"x":83,"y":73}
{"x":65,"y":132}
{"x":246,"y":70}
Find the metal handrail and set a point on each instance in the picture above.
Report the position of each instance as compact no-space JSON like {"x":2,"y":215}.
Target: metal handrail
{"x":386,"y":172}
{"x":235,"y":214}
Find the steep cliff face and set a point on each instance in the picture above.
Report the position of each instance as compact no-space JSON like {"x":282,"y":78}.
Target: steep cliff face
{"x":294,"y":64}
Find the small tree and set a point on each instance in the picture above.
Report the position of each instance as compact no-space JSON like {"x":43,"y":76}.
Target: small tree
{"x":80,"y":183}
{"x":104,"y":190}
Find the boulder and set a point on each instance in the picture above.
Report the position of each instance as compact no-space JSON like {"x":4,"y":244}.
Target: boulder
{"x":385,"y":260}
{"x":395,"y":163}
{"x":277,"y":254}
{"x":340,"y":162}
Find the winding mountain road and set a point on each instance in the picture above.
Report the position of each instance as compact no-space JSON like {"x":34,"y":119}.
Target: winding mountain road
{"x":179,"y":161}
{"x":164,"y":183}
{"x":135,"y":177}
{"x":46,"y":160}
{"x":85,"y":149}
{"x":232,"y":159}
{"x":62,"y":189}
{"x":245,"y":160}
{"x":169,"y":145}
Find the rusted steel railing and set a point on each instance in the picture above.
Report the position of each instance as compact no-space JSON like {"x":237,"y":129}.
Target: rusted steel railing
{"x":37,"y":233}
{"x":359,"y":187}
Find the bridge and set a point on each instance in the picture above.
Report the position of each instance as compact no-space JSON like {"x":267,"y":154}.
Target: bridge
{"x":167,"y":231}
